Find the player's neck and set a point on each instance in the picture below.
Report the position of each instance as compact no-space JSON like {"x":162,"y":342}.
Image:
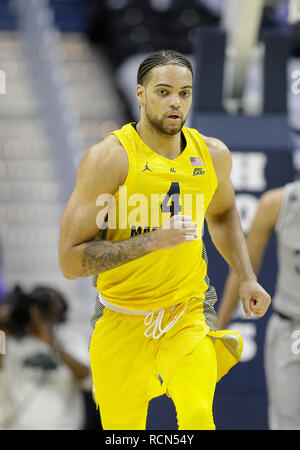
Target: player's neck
{"x":165,"y":145}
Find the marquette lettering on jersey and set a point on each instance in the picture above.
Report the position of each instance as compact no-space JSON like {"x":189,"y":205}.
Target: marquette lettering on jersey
{"x":157,"y":188}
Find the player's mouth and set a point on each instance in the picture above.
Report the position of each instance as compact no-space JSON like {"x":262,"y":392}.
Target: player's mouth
{"x":174,"y":117}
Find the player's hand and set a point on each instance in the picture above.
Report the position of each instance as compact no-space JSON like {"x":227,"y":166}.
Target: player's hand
{"x":254,"y":298}
{"x":175,"y":231}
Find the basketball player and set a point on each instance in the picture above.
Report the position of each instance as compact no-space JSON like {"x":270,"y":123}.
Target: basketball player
{"x":279,"y":211}
{"x":157,"y":317}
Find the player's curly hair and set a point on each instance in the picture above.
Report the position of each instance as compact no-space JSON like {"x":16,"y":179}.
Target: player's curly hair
{"x":161,"y":58}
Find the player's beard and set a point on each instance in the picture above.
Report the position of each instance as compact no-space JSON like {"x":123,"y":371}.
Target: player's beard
{"x":158,"y":124}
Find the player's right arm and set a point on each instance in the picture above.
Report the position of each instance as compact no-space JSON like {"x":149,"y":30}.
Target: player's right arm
{"x":102,"y":170}
{"x":257,"y":239}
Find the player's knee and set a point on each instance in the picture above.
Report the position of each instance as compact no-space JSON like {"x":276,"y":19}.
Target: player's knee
{"x":136,"y":423}
{"x":196,"y":415}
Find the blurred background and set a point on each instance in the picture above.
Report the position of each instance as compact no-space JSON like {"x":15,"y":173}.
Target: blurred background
{"x":67,"y":78}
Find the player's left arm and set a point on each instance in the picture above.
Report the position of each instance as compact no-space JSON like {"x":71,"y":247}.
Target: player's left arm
{"x":262,"y":226}
{"x":225,"y":229}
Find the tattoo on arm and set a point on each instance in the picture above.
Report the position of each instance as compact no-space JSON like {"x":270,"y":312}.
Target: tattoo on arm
{"x":99,"y":256}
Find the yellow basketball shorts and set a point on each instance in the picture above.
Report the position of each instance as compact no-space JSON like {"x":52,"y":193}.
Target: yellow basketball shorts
{"x":189,"y":358}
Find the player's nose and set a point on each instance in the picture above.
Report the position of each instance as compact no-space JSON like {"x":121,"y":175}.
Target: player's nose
{"x":175,"y":102}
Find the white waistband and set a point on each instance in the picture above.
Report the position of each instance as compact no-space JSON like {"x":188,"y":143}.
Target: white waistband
{"x":119,"y":309}
{"x":153,"y":325}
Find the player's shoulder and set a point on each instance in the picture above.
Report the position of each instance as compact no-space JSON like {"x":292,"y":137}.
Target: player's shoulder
{"x":215,"y":146}
{"x":220,"y":155}
{"x":108,"y":154}
{"x":106,"y":151}
{"x":105,"y":161}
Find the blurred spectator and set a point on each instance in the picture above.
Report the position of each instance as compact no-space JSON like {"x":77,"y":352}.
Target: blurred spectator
{"x":46,"y":365}
{"x":129,"y":29}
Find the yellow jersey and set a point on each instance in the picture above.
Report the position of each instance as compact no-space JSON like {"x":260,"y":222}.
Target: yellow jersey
{"x":155,"y":189}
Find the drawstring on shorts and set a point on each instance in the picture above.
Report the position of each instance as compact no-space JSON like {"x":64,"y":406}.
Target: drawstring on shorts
{"x":152,"y":324}
{"x":156,"y":324}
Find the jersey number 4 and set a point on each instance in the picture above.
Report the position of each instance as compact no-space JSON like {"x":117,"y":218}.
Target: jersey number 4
{"x":172,"y":195}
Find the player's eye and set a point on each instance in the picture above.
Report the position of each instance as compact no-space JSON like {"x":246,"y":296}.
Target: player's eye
{"x":185,"y":93}
{"x":162,"y":92}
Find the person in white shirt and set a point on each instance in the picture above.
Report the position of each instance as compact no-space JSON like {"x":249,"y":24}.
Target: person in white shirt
{"x":45,"y":367}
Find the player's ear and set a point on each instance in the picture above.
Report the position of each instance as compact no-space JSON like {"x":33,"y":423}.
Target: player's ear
{"x":140,"y":94}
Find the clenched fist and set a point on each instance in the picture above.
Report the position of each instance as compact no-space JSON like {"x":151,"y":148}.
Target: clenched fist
{"x":254,"y":298}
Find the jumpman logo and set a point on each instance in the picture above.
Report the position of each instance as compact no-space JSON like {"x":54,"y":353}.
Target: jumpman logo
{"x":147,"y":167}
